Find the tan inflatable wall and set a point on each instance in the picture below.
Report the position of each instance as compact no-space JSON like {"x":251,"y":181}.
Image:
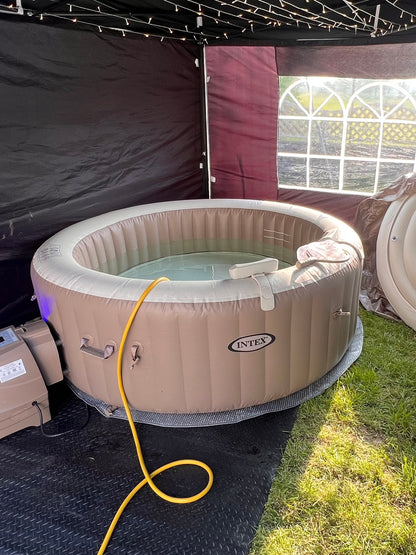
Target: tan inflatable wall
{"x":204,"y":346}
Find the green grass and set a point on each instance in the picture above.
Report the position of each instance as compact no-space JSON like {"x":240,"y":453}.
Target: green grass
{"x":347,"y":481}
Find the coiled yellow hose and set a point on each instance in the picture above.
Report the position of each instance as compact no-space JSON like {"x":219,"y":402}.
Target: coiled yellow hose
{"x":148,"y":477}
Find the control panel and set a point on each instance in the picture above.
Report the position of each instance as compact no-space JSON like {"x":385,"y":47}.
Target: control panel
{"x":21,"y":383}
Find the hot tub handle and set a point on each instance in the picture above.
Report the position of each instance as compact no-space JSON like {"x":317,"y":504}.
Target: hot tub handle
{"x":100,"y":353}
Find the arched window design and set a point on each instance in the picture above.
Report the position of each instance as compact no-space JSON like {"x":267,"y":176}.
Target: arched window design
{"x":379,"y":140}
{"x":333,"y":135}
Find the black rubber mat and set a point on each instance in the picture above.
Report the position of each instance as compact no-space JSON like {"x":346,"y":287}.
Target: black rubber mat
{"x":59,"y":495}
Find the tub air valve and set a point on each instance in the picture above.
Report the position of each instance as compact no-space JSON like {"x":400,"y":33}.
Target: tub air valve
{"x":136,"y":352}
{"x":338,"y":313}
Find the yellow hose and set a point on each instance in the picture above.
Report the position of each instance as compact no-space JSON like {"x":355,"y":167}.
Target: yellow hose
{"x":147,"y":476}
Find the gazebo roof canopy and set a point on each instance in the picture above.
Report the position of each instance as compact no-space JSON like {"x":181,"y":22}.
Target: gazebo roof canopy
{"x":274,"y":22}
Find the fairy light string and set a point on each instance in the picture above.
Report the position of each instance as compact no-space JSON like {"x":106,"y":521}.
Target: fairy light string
{"x":403,"y":11}
{"x":155,"y":29}
{"x":224,"y":19}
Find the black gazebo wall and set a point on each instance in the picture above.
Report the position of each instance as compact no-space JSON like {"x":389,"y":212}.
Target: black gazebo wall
{"x":89,"y":123}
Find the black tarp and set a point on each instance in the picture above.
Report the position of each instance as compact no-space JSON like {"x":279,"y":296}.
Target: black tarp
{"x":89,"y":123}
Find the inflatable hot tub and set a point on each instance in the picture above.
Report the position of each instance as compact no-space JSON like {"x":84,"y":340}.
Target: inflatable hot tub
{"x":396,"y":257}
{"x":205,"y":346}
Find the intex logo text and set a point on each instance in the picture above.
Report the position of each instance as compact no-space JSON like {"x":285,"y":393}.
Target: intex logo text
{"x":251,"y":343}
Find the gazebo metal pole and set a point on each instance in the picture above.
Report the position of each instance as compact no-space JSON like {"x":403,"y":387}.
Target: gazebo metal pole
{"x":205,"y":160}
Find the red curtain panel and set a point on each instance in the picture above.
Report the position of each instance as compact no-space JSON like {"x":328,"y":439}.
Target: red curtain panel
{"x":242,"y":105}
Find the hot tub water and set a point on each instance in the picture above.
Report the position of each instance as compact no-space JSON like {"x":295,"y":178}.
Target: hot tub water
{"x":196,"y":266}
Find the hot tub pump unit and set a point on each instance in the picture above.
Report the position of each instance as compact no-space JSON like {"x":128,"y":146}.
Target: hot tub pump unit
{"x":29,"y":362}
